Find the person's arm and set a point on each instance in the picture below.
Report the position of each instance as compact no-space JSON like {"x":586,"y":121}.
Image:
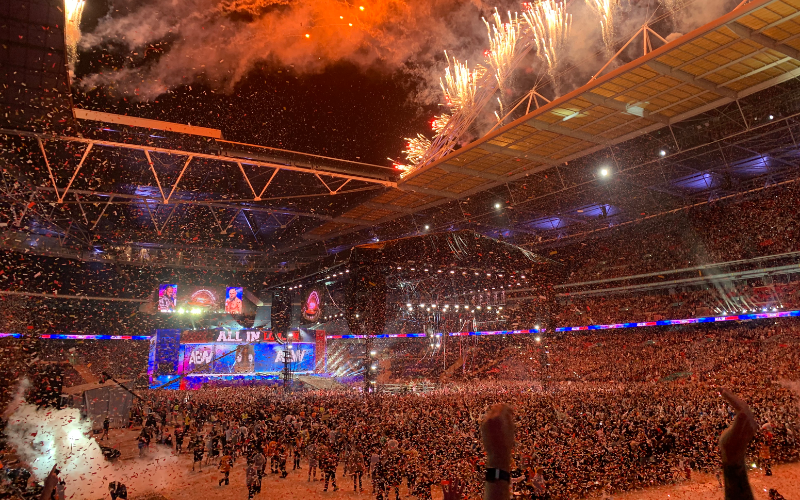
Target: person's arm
{"x":733,"y":446}
{"x":50,"y":483}
{"x":497,"y":433}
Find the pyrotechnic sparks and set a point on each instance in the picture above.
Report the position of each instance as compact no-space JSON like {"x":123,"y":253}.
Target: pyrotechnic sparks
{"x":73,"y":12}
{"x":460,"y":84}
{"x":440,"y":122}
{"x":551,"y":27}
{"x":416,"y":147}
{"x":605,"y":9}
{"x":400,"y":166}
{"x":502,"y":45}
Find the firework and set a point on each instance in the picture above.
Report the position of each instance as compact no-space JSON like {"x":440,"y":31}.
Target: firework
{"x":459,"y":84}
{"x":605,"y":10}
{"x":73,"y":10}
{"x":502,"y":45}
{"x":551,"y":25}
{"x":440,"y":122}
{"x":400,"y":166}
{"x":416,"y":147}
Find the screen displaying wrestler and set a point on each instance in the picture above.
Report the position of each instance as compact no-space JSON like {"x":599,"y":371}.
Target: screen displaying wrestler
{"x":233,"y":300}
{"x":167,"y":295}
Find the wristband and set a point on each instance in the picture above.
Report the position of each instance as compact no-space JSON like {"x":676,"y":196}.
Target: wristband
{"x":493,"y":475}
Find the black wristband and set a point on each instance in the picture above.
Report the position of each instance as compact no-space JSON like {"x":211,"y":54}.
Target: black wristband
{"x":493,"y":475}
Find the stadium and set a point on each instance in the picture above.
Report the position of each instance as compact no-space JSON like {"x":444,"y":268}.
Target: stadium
{"x":428,"y":249}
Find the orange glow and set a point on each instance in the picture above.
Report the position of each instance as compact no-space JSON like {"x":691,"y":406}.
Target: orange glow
{"x":350,"y":24}
{"x":308,"y":35}
{"x":361,"y":8}
{"x":341,"y":17}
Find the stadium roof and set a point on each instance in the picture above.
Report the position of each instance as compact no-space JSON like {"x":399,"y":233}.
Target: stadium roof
{"x":676,"y":127}
{"x":752,"y":48}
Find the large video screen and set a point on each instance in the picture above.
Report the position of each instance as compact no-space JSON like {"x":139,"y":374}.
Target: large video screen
{"x":167,"y":298}
{"x":232,"y":359}
{"x":233,"y":299}
{"x":312,"y":305}
{"x":203,"y":298}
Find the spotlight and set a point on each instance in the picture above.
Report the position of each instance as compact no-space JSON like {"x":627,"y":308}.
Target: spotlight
{"x":497,"y":206}
{"x":427,"y":227}
{"x":373,"y":353}
{"x":771,"y":117}
{"x":538,"y":339}
{"x":308,"y":35}
{"x":604,"y":172}
{"x":409,"y":305}
{"x":662,"y":153}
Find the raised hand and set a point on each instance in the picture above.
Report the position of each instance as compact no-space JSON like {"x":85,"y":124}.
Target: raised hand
{"x":734,"y":440}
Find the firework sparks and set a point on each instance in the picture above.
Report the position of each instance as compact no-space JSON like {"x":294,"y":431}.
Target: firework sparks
{"x":551,"y":27}
{"x":399,"y":165}
{"x":440,"y":122}
{"x":73,"y":10}
{"x":416,"y":147}
{"x":459,"y":84}
{"x":502,"y":45}
{"x":605,"y":9}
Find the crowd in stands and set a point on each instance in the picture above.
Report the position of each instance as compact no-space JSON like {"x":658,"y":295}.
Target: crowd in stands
{"x":763,"y":224}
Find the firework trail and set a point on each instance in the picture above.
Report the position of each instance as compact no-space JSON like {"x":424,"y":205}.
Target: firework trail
{"x":416,"y":147}
{"x":460,"y":84}
{"x":502,"y":45}
{"x":73,"y":11}
{"x":551,"y":25}
{"x":440,"y":122}
{"x":605,"y":10}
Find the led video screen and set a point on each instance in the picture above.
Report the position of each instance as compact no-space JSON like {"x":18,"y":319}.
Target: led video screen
{"x":167,"y":298}
{"x":233,"y":299}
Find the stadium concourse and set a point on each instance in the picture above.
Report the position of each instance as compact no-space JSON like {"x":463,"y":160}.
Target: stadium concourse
{"x":582,"y":281}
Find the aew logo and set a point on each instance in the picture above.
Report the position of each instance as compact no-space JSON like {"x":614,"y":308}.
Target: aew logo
{"x":201,"y":357}
{"x":290,"y":356}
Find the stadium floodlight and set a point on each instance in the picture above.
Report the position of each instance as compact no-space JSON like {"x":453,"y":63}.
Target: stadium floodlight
{"x":662,"y":153}
{"x":497,"y":206}
{"x":427,"y":227}
{"x":604,"y":172}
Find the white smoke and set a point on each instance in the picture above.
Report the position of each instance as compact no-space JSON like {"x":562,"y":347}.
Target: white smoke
{"x":47,"y":437}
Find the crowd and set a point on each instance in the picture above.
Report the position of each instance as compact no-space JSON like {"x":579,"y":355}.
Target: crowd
{"x":602,"y":412}
{"x":707,"y":234}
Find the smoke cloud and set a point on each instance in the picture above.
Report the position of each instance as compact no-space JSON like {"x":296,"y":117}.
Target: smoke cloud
{"x":219,"y":41}
{"x":46,"y":437}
